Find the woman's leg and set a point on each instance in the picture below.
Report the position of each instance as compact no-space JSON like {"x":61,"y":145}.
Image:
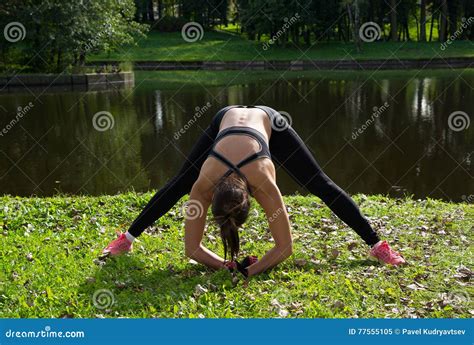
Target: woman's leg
{"x":289,"y":150}
{"x":182,"y":183}
{"x":176,"y":188}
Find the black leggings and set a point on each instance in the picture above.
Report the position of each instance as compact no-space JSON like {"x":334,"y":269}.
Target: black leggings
{"x":288,"y":151}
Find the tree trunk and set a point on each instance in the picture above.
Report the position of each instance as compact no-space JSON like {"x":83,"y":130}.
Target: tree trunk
{"x":151,"y":14}
{"x":443,"y":24}
{"x":354,"y":24}
{"x":340,"y":32}
{"x":357,"y":23}
{"x":393,"y":20}
{"x":407,"y":30}
{"x":82,"y":58}
{"x":423,"y":20}
{"x":453,"y":17}
{"x":371,"y":11}
{"x":417,"y":27}
{"x":468,"y":12}
{"x":307,"y":36}
{"x":160,"y":9}
{"x":59,"y":62}
{"x":431,"y":26}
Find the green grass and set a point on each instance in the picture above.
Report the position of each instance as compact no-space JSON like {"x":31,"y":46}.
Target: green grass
{"x":189,"y":79}
{"x":235,"y":29}
{"x":49,"y":246}
{"x":222,"y":46}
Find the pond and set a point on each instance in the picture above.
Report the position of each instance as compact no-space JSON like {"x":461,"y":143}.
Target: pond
{"x":372,"y":132}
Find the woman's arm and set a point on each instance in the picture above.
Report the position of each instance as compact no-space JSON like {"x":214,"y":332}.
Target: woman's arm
{"x":269,"y":197}
{"x":199,"y":199}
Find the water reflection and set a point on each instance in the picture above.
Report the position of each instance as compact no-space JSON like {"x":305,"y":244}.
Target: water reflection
{"x":159,"y":111}
{"x":406,"y":148}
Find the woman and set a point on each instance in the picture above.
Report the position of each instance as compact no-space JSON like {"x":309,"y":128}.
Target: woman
{"x":232,"y":160}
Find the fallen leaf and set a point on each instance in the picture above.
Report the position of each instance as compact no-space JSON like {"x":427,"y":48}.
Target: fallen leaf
{"x":300,"y":262}
{"x":274,"y":302}
{"x":335,"y":253}
{"x":199,"y":290}
{"x":90,"y":280}
{"x":352,"y":245}
{"x":416,"y":286}
{"x":463,"y":273}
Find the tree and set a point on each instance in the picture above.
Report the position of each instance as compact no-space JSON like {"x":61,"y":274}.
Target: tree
{"x":353,"y":13}
{"x":393,"y":20}
{"x":423,"y":20}
{"x":61,"y":33}
{"x":443,"y":24}
{"x":452,"y":16}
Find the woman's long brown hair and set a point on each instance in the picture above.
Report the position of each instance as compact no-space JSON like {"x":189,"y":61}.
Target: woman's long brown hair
{"x":230,"y":207}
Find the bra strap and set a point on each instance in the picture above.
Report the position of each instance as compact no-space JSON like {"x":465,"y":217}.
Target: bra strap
{"x":232,"y":168}
{"x":249,"y":159}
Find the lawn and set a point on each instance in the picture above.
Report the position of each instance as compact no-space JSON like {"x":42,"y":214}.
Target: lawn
{"x":177,"y":80}
{"x":216,"y":46}
{"x":49,"y":264}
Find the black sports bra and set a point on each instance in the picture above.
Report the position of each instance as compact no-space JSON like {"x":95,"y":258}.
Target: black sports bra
{"x":238,"y":130}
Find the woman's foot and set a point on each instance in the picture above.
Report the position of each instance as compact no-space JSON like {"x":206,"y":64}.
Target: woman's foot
{"x":382,"y":252}
{"x":118,"y":246}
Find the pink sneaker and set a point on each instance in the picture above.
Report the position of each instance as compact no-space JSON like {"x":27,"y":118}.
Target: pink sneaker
{"x":382,"y":252}
{"x":118,"y":246}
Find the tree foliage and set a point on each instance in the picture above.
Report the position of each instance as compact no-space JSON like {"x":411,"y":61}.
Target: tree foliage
{"x":336,"y":20}
{"x":61,"y":33}
{"x":319,"y":20}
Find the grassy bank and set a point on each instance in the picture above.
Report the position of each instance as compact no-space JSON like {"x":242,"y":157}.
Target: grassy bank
{"x":191,"y":79}
{"x":48,"y":247}
{"x":219,"y":46}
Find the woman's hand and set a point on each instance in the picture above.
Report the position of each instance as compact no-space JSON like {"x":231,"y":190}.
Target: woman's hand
{"x":230,"y":265}
{"x":249,"y":260}
{"x":269,"y":197}
{"x":242,"y":267}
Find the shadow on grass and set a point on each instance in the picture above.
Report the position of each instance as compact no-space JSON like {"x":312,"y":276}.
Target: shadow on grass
{"x":357,"y":263}
{"x":125,"y":286}
{"x":339,"y":265}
